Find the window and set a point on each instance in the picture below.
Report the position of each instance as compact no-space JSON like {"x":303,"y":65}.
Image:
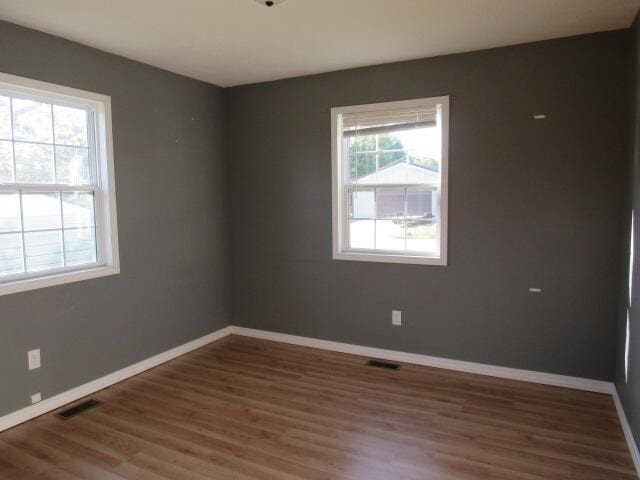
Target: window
{"x":390,"y":169}
{"x":57,"y":192}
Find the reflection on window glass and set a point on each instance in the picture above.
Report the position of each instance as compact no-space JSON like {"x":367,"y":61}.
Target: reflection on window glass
{"x":45,"y":146}
{"x":6,"y":162}
{"x":9,"y":212}
{"x":41,"y":211}
{"x":11,"y":256}
{"x":34,"y":163}
{"x":5,"y":118}
{"x":77,"y":209}
{"x":72,"y":165}
{"x":70,"y":126}
{"x":32,"y":121}
{"x":80,"y":246}
{"x":43,"y":250}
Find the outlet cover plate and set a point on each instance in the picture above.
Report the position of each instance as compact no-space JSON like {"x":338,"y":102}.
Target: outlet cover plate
{"x":33,"y":357}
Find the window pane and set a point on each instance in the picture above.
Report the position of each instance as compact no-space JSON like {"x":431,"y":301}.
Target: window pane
{"x":9,"y":212}
{"x":363,"y":167}
{"x":77,"y":209}
{"x":6,"y":162}
{"x":419,"y":204}
{"x":361,"y":234}
{"x":41,"y":211}
{"x":5,"y":118}
{"x":11,"y":253}
{"x":422,"y":236}
{"x":390,"y":203}
{"x":389,"y":159}
{"x":80,"y":246}
{"x":44,"y":250}
{"x":34,"y":163}
{"x":424,"y":159}
{"x":362,"y":204}
{"x":70,"y":125}
{"x":72,"y":164}
{"x":32,"y":121}
{"x":394,"y":162}
{"x":390,"y":234}
{"x":362,"y":143}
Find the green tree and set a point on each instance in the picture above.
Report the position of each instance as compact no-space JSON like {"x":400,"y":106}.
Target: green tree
{"x":362,"y":153}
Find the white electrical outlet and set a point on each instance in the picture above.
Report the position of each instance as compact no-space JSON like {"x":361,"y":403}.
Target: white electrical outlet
{"x":535,"y":290}
{"x":34,"y":359}
{"x":36,"y":397}
{"x":396,"y":317}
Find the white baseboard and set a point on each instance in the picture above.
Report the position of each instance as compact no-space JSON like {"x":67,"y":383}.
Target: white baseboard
{"x":577,"y":383}
{"x":626,"y":428}
{"x":74,"y":394}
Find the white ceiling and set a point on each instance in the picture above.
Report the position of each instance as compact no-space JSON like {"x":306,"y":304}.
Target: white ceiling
{"x":233,"y":42}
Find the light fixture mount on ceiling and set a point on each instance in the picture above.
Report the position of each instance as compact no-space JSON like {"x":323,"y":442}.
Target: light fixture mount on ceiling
{"x":269,"y":3}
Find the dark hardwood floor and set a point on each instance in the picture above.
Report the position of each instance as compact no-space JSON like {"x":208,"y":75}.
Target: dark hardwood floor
{"x":245,"y":409}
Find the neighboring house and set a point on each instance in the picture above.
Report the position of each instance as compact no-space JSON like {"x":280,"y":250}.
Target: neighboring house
{"x":389,"y":203}
{"x":399,"y":172}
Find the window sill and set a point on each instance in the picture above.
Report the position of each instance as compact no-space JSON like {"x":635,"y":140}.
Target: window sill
{"x":389,"y":258}
{"x":26,"y":284}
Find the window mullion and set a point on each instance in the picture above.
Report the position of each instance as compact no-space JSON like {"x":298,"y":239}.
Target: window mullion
{"x":24,"y":250}
{"x":92,"y":146}
{"x":375,"y":218}
{"x":377,"y":157}
{"x":64,"y":246}
{"x":48,"y":188}
{"x":53,"y":146}
{"x":13,"y":145}
{"x":406,"y":219}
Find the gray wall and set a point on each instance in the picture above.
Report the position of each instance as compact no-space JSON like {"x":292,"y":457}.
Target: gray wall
{"x":173,"y":229}
{"x":532,"y":204}
{"x":629,"y":386}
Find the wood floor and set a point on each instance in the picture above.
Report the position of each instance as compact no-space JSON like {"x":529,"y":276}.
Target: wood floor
{"x":245,"y":409}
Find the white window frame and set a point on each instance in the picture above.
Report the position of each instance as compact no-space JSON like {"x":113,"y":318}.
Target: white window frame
{"x":341,"y":250}
{"x":100,"y":134}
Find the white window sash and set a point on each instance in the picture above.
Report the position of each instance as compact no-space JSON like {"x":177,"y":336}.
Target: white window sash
{"x":100,"y":152}
{"x":342,"y":188}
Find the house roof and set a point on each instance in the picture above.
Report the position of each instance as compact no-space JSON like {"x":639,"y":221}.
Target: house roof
{"x":401,"y":172}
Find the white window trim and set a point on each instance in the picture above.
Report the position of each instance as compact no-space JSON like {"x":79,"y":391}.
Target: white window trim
{"x":340,"y":250}
{"x":106,"y":217}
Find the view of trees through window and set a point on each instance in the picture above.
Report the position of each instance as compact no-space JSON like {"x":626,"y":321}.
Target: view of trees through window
{"x":389,"y":177}
{"x":385,"y":149}
{"x":389,"y":208}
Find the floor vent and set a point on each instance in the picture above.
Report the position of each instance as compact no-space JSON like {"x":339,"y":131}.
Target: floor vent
{"x":78,"y":409}
{"x":381,"y":364}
